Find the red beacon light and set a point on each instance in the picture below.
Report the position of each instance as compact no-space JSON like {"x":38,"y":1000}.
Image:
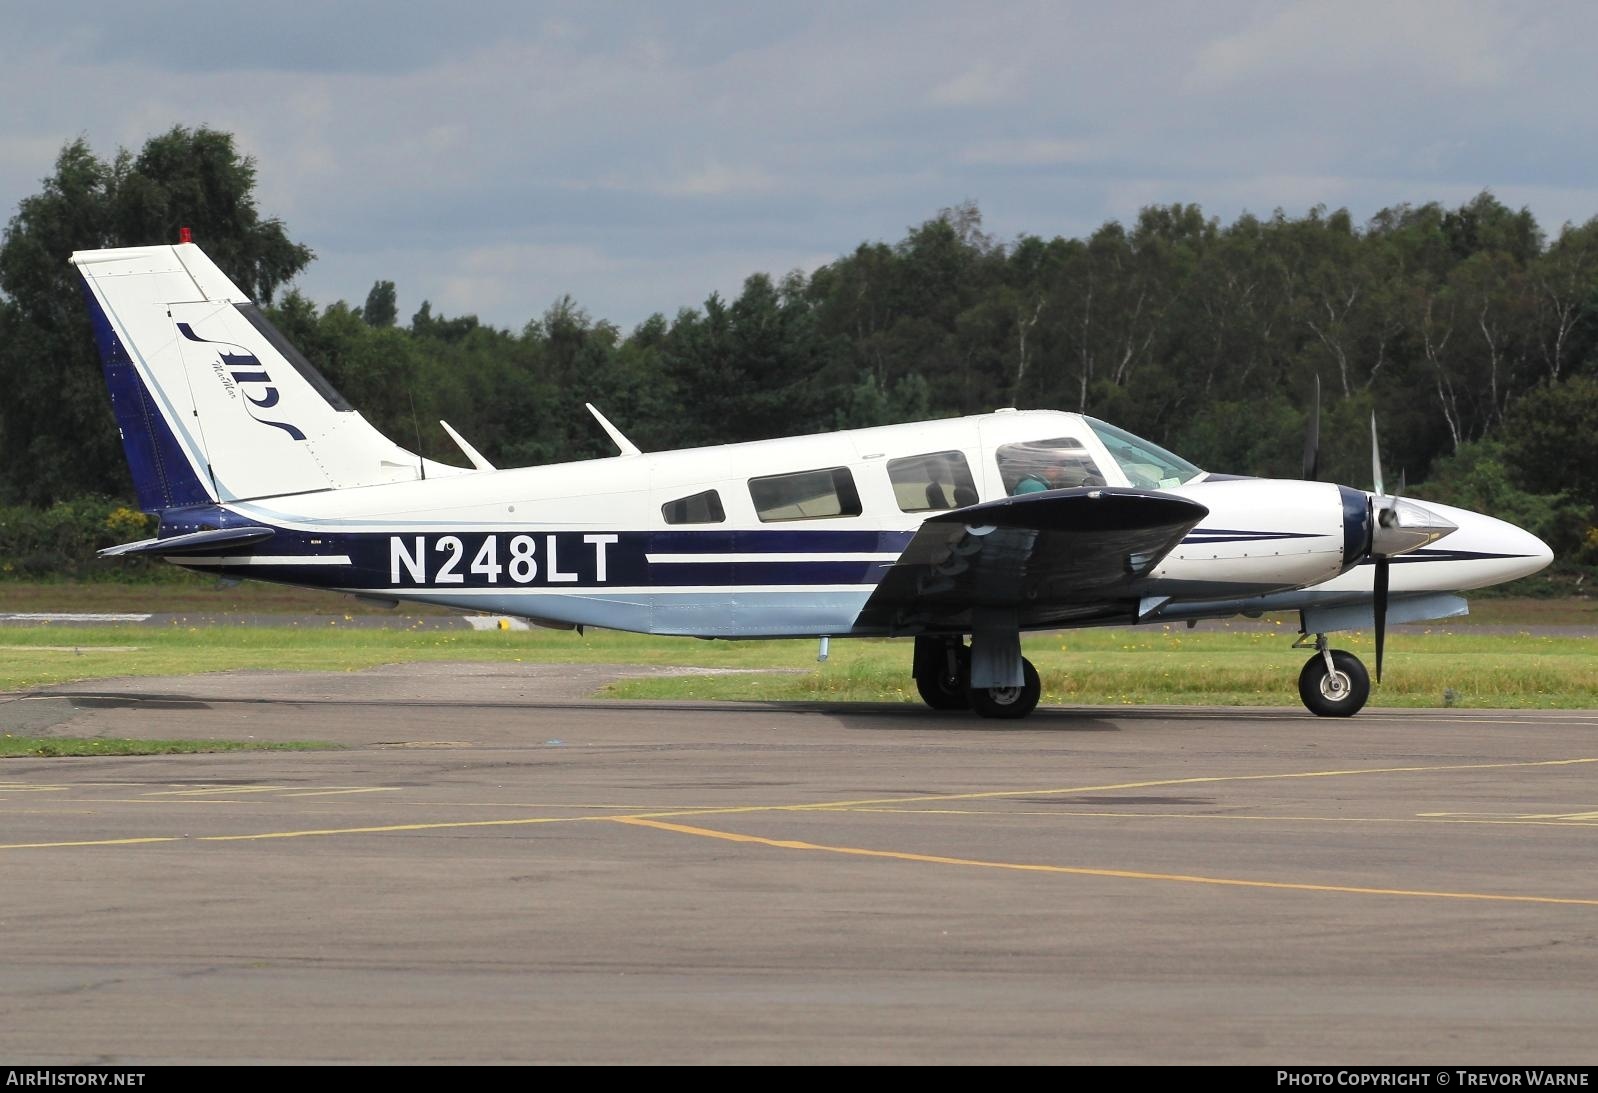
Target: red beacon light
{"x":185,"y":235}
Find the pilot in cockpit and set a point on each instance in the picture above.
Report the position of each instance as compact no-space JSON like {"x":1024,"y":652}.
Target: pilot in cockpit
{"x":1033,"y":468}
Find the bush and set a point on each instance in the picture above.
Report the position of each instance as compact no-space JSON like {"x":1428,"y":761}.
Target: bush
{"x":61,"y":541}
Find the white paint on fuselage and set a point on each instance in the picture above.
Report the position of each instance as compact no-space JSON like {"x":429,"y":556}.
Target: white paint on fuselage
{"x":625,"y":494}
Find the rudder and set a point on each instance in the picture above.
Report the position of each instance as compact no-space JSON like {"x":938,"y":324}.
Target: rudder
{"x":163,"y":475}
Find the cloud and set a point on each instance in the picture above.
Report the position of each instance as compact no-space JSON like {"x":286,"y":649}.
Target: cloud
{"x":1446,"y":42}
{"x":522,"y":280}
{"x":977,"y":86}
{"x":640,"y":156}
{"x":708,"y":180}
{"x":28,"y":153}
{"x":1036,"y":152}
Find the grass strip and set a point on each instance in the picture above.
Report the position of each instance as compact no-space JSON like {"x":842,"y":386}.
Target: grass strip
{"x":1133,"y":666}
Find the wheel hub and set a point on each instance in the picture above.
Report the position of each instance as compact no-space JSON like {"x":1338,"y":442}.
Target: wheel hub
{"x":1335,"y":686}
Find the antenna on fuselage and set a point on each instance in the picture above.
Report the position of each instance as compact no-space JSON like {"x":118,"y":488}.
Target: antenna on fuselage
{"x":421,"y":461}
{"x":627,"y":447}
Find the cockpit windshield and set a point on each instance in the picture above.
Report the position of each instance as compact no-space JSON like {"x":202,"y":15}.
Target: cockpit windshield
{"x":1147,"y":466}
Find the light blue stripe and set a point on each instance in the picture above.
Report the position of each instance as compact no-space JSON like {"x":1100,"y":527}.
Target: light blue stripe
{"x":765,"y":614}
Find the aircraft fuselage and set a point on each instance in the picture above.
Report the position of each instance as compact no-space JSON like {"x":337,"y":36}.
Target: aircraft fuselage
{"x":588,"y":543}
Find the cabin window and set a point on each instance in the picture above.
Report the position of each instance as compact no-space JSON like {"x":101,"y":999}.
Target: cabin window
{"x":1058,"y":464}
{"x":932,"y":482}
{"x":805,"y":495}
{"x":701,"y":508}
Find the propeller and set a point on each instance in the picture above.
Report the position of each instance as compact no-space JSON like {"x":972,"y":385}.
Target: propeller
{"x":1397,"y":527}
{"x":1376,"y":459}
{"x":1312,"y":436}
{"x":1383,"y":566}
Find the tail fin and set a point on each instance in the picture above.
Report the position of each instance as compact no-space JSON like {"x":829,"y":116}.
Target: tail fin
{"x":213,"y":403}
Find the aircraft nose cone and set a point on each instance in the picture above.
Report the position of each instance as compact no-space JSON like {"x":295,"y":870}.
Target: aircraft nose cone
{"x":1539,"y":552}
{"x":1527,"y":553}
{"x":1485,"y":550}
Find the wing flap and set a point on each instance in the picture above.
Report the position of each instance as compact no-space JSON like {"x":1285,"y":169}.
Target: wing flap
{"x":1047,"y":557}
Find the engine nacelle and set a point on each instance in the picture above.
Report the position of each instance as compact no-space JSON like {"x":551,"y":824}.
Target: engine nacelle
{"x":1263,"y":535}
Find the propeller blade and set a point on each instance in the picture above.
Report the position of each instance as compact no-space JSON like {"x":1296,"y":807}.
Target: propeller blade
{"x":1312,"y":436}
{"x":1403,"y":482}
{"x":1381,"y":611}
{"x":1376,"y":459}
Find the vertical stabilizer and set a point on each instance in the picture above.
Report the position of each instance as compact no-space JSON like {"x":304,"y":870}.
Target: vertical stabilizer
{"x":212,"y":401}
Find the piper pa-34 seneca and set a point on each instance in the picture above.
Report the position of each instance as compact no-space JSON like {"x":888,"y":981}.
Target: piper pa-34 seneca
{"x":985,"y":526}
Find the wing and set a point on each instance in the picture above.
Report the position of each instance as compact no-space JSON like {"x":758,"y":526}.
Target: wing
{"x":1054,"y":557}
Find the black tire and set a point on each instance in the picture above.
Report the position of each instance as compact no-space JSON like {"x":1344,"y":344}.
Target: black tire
{"x":942,"y":691}
{"x":1315,"y":688}
{"x":1009,"y":702}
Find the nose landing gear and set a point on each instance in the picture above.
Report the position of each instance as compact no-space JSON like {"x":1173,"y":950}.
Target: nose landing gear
{"x":1334,"y":683}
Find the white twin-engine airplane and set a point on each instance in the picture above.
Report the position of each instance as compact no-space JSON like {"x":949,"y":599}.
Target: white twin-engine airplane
{"x":985,"y":526}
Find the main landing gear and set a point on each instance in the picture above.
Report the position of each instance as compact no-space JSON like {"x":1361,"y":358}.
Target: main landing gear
{"x":942,"y":672}
{"x":1334,"y":683}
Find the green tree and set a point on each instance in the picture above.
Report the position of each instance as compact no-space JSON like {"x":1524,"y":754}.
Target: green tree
{"x":1565,"y":280}
{"x":196,"y":178}
{"x":1552,"y":439}
{"x":381,"y":309}
{"x":1482,"y":476}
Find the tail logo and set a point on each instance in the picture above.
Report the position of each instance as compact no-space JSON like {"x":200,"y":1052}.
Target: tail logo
{"x":242,"y":373}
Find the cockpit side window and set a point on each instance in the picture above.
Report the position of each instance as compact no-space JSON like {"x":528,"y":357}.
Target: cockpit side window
{"x":805,"y":495}
{"x":1146,"y":465}
{"x":700,"y":508}
{"x":1058,"y":464}
{"x":932,"y":482}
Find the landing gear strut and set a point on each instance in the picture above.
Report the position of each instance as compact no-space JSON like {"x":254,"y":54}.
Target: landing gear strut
{"x":942,"y":672}
{"x":1334,"y":683}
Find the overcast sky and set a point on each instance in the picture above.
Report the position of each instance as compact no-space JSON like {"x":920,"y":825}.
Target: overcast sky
{"x":491,"y":156}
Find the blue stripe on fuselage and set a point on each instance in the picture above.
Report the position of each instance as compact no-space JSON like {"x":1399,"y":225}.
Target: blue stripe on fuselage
{"x":556,"y":560}
{"x":1220,"y":535}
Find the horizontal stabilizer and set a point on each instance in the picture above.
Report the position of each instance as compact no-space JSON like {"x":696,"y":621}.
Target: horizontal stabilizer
{"x":195,"y":542}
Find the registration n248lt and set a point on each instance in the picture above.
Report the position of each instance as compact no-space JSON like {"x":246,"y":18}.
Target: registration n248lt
{"x":499,"y":559}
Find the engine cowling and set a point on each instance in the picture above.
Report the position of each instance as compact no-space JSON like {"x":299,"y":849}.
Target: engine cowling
{"x":1264,"y":535}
